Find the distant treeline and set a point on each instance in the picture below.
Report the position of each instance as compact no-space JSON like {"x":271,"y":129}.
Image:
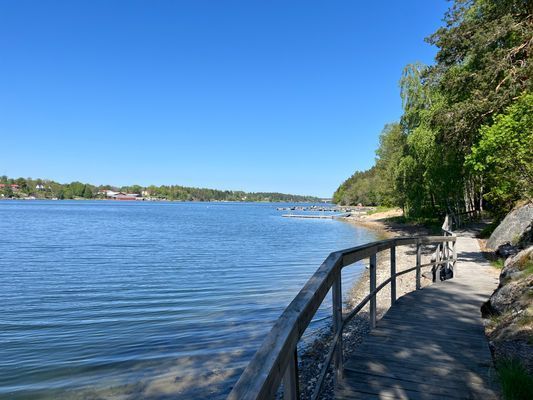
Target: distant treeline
{"x":465,"y":139}
{"x":42,"y":188}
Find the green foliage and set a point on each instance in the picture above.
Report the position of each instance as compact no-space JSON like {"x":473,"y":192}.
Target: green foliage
{"x":515,"y":381}
{"x":392,"y":147}
{"x":380,"y":209}
{"x":452,"y":151}
{"x":504,"y":154}
{"x":7,"y":192}
{"x":87,"y":192}
{"x":77,"y":189}
{"x":361,"y":187}
{"x":415,"y":96}
{"x":498,"y":263}
{"x":483,"y":63}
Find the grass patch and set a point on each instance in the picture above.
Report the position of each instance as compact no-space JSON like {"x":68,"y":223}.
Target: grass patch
{"x":497,"y":263}
{"x":380,"y":209}
{"x":516,"y":383}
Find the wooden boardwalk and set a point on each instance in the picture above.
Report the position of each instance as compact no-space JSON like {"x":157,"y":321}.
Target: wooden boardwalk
{"x":430,"y":344}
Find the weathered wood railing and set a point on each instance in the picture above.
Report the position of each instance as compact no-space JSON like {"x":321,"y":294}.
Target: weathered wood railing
{"x":457,"y":220}
{"x":276,"y":360}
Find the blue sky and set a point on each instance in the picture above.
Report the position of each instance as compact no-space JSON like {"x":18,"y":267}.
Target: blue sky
{"x":285,"y":96}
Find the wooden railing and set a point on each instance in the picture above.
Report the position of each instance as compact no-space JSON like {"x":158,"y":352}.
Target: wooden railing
{"x":457,"y":220}
{"x":276,"y":361}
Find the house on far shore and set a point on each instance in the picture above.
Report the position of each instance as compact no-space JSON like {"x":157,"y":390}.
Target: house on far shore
{"x":39,"y":187}
{"x":106,"y":192}
{"x":112,"y":195}
{"x":125,"y":196}
{"x":13,"y":186}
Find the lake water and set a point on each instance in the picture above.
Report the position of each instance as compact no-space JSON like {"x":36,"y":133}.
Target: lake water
{"x":112,"y":300}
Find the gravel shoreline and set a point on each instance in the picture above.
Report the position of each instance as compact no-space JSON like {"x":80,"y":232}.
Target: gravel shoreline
{"x":313,"y":356}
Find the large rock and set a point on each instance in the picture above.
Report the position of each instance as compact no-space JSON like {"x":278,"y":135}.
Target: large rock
{"x":510,"y":329}
{"x":516,"y":282}
{"x":515,"y":228}
{"x":514,"y":266}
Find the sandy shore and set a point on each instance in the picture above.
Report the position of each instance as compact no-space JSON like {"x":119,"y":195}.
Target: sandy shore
{"x":405,"y":258}
{"x":312,"y":358}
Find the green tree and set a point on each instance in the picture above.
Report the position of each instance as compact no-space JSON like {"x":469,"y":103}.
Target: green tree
{"x":22,"y":184}
{"x":504,"y":155}
{"x":483,"y":65}
{"x":76,"y":189}
{"x":87,"y":192}
{"x":392,"y":146}
{"x":8,"y":192}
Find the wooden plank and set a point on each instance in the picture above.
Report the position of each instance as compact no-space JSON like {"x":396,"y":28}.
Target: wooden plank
{"x":383,"y":386}
{"x":427,"y":370}
{"x":471,"y":359}
{"x":444,"y":339}
{"x":413,"y":323}
{"x":387,"y":389}
{"x":424,"y":318}
{"x":365,"y":360}
{"x":425,"y":334}
{"x":420,"y":355}
{"x":414,"y":385}
{"x":426,"y":352}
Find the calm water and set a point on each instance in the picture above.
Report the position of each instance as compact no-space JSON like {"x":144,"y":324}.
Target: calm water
{"x":128,"y":300}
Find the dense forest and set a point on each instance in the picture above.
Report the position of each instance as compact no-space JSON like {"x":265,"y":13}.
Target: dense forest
{"x":40,"y":188}
{"x":465,"y":139}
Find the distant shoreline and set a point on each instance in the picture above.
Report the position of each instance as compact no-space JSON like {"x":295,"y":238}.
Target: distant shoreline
{"x":49,"y":189}
{"x":163,"y":200}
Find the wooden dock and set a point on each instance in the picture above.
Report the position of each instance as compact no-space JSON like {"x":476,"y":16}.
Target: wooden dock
{"x":430,"y":344}
{"x":316,"y":216}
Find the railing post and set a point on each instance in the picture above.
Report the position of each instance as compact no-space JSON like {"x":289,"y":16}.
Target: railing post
{"x":291,"y":386}
{"x":454,"y":263}
{"x":418,"y":263}
{"x":446,"y":254}
{"x":373,"y":262}
{"x":436,"y":268}
{"x":393,"y":274}
{"x":337,"y":325}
